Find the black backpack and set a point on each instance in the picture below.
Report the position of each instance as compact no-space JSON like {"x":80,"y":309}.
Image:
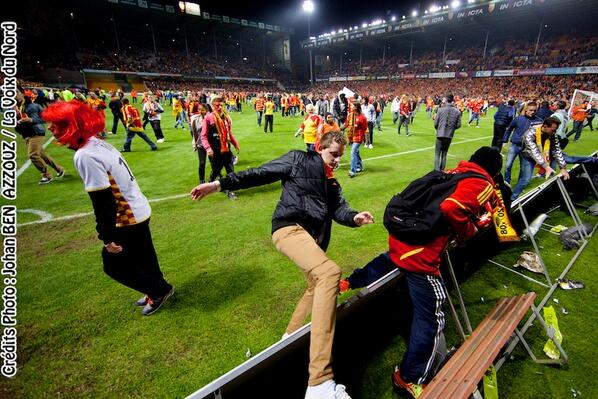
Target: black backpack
{"x":413,"y":216}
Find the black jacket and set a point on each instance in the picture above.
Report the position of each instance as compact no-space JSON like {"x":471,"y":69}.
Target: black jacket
{"x":308,"y":198}
{"x":115,"y":106}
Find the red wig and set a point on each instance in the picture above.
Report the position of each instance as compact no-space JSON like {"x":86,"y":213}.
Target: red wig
{"x":75,"y":122}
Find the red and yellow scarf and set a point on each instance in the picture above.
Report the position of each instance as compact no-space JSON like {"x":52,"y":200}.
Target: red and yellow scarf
{"x":223,"y":132}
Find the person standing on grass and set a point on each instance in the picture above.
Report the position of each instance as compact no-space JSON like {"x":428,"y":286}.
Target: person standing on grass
{"x":133,"y":127}
{"x":309,"y":127}
{"x":199,"y":113}
{"x":356,"y":126}
{"x":368,"y":110}
{"x":259,"y":109}
{"x":518,"y":127}
{"x":116,"y":106}
{"x":404,"y":111}
{"x":578,"y":114}
{"x":395,"y":109}
{"x":502,"y":118}
{"x":448,"y":119}
{"x":301,"y":226}
{"x":269,"y":115}
{"x":122,"y":212}
{"x":30,"y":126}
{"x":464,"y":212}
{"x":154,"y":115}
{"x":217,"y":137}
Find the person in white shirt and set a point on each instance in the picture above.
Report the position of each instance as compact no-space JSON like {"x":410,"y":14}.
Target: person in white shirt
{"x":395,"y":109}
{"x":122,"y":211}
{"x":154,"y":111}
{"x":370,"y":114}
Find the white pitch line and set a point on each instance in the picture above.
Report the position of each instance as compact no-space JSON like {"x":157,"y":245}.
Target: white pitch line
{"x":28,"y":162}
{"x":421,"y":149}
{"x":178,"y":196}
{"x":45,"y":216}
{"x":80,"y":215}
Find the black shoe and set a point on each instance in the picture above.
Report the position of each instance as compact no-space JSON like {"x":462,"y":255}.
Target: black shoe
{"x":124,"y":150}
{"x":142,"y":301}
{"x":61,"y":173}
{"x":154,"y":304}
{"x":231,"y":195}
{"x":154,"y":148}
{"x":45,"y":180}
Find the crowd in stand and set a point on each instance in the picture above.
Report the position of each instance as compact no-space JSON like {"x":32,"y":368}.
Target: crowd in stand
{"x":549,"y":87}
{"x":186,"y":85}
{"x":512,"y":54}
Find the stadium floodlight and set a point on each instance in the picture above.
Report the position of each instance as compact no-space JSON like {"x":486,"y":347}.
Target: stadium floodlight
{"x":434,"y":8}
{"x":308,"y":6}
{"x":414,"y":13}
{"x":403,"y":17}
{"x":470,"y":1}
{"x":364,"y":25}
{"x":393,"y":18}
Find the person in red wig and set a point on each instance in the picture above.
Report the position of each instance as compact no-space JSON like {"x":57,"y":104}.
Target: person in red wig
{"x":122,"y":211}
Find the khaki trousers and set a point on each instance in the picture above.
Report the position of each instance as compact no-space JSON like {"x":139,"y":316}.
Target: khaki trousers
{"x":39,"y":158}
{"x":322,"y":276}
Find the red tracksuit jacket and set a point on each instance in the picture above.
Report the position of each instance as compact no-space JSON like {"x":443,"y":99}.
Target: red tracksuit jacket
{"x":460,"y":210}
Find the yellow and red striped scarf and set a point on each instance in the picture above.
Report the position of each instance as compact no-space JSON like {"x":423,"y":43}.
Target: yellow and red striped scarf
{"x":222,"y":129}
{"x":546,"y":147}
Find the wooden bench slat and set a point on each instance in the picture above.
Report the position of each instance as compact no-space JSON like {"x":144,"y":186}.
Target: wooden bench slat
{"x":470,"y":344}
{"x":443,"y":385}
{"x":482,"y":359}
{"x":460,"y":376}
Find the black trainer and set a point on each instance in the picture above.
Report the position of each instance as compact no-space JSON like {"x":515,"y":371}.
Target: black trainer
{"x":154,"y":304}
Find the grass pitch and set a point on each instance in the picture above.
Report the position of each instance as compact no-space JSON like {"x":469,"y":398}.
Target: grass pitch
{"x":81,"y":336}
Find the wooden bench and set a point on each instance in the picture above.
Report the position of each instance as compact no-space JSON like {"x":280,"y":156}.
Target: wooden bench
{"x":460,"y":376}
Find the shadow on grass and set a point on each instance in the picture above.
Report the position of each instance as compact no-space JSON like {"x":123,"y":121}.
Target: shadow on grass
{"x":214,"y":288}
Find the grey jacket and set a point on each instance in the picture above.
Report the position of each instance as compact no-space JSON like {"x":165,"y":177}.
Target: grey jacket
{"x":448,"y":119}
{"x":531,"y":151}
{"x":562,"y":115}
{"x":34,"y":111}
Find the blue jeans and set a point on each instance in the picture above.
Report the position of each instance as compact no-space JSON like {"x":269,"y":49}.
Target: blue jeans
{"x":374,"y":270}
{"x":476,"y":117}
{"x":514,"y":151}
{"x":577,"y":128}
{"x":403,"y":120}
{"x":526,"y":171}
{"x":259,"y":117}
{"x":356,"y":164}
{"x":131,"y":135}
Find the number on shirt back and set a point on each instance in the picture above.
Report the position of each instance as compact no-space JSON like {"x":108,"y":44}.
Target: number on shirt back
{"x":123,"y":163}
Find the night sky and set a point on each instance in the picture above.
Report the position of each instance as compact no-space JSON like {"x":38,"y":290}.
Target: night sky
{"x":327,"y":15}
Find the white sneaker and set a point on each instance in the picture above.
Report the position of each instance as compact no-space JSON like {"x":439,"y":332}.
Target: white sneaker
{"x":340,"y":392}
{"x":160,"y":141}
{"x":327,"y":390}
{"x":371,"y":146}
